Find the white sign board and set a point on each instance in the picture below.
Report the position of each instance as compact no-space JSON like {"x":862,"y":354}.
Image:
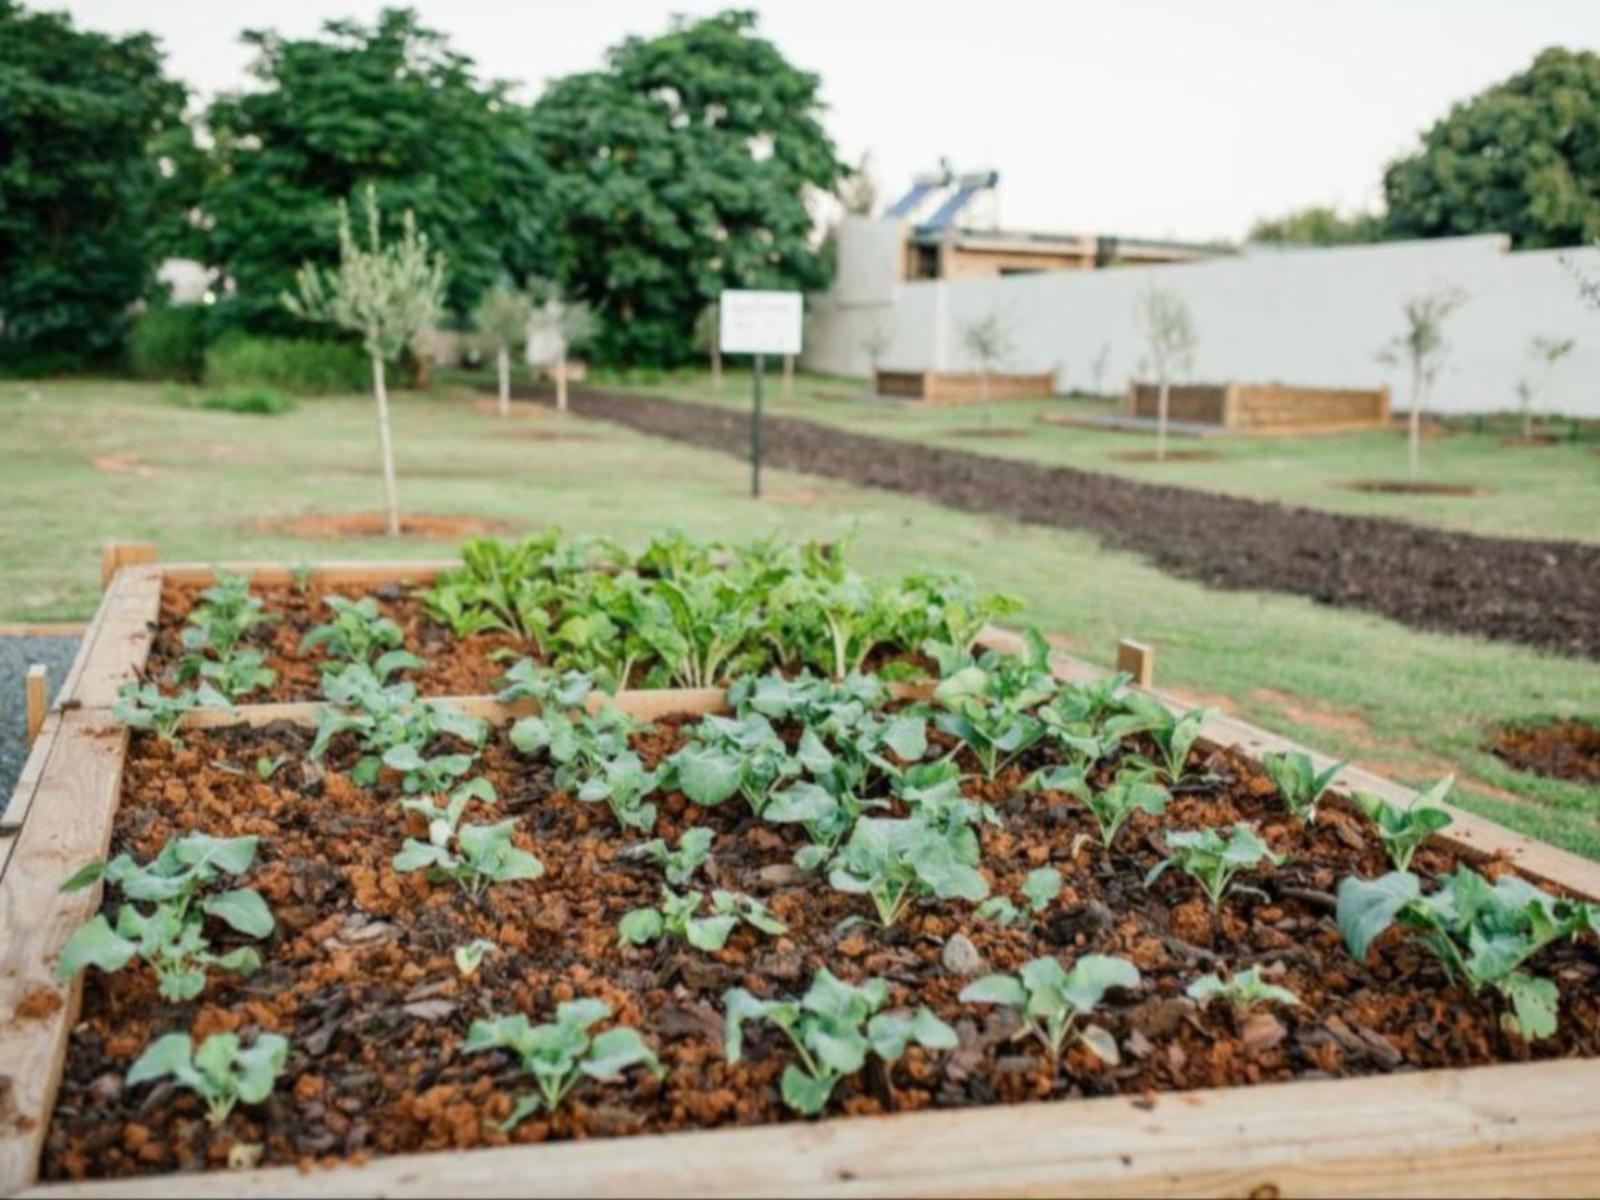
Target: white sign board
{"x":760,"y":322}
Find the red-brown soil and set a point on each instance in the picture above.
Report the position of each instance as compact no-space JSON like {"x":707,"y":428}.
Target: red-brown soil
{"x":1567,"y":749}
{"x":1403,"y":487}
{"x":359,"y":975}
{"x":455,"y":666}
{"x":327,"y":527}
{"x":1541,"y":593}
{"x":1149,"y":456}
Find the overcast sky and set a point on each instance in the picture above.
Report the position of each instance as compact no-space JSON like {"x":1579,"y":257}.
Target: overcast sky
{"x":1183,"y":118}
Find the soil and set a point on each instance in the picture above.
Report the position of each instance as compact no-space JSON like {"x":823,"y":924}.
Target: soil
{"x":1533,"y":441}
{"x":327,"y":527}
{"x":1568,"y":749}
{"x":1149,"y":456}
{"x":1403,"y":487}
{"x":987,"y":431}
{"x":1539,"y":593}
{"x":454,"y":666}
{"x":359,"y":974}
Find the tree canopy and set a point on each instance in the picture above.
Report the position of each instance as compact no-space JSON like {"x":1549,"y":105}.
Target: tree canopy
{"x":1522,"y":157}
{"x":1317,"y":225}
{"x":390,"y":105}
{"x":93,"y":158}
{"x":685,"y":166}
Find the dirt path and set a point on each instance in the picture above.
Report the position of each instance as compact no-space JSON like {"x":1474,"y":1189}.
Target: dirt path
{"x":1544,"y":594}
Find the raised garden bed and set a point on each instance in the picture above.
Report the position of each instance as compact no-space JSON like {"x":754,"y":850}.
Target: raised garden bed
{"x":1264,"y":407}
{"x":1381,"y":1079}
{"x":962,"y":387}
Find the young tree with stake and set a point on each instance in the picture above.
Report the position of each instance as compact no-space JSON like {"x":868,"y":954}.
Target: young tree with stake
{"x":875,"y":341}
{"x":708,"y":337}
{"x":566,"y":324}
{"x":386,"y":293}
{"x":988,"y":342}
{"x":501,"y":318}
{"x":1545,"y":352}
{"x":1421,"y":349}
{"x":1168,"y":331}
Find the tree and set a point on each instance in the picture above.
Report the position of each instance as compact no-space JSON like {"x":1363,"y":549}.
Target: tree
{"x":1545,"y":352}
{"x":1318,"y":225}
{"x":1522,"y":157}
{"x":1421,"y":349}
{"x":858,"y":193}
{"x":388,"y":105}
{"x":684,"y":167}
{"x":386,"y":293}
{"x":876,"y":339}
{"x":708,"y":340}
{"x":1168,"y":330}
{"x":565,"y":324}
{"x":988,"y":341}
{"x":94,"y":160}
{"x":501,"y":318}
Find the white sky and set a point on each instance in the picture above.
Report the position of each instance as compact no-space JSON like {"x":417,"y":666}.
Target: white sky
{"x":1180,"y":118}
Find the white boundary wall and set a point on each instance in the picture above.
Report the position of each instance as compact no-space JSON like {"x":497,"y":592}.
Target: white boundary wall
{"x":1308,"y":317}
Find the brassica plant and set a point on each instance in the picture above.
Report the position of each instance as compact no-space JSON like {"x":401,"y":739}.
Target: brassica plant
{"x":144,"y":706}
{"x":1243,"y":990}
{"x":222,"y":1072}
{"x":396,"y":729}
{"x":359,"y":633}
{"x":482,"y":854}
{"x":1213,"y":861}
{"x":1300,"y":785}
{"x":728,"y":756}
{"x":678,"y":916}
{"x":896,"y":861}
{"x":561,"y":1055}
{"x":1130,"y":792}
{"x":833,"y":1028}
{"x":623,"y":783}
{"x":1403,"y":830}
{"x":171,"y":937}
{"x":693,"y":852}
{"x":1055,"y":1004}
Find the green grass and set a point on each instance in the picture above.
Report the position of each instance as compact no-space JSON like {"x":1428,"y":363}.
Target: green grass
{"x":91,"y":460}
{"x":1545,"y":491}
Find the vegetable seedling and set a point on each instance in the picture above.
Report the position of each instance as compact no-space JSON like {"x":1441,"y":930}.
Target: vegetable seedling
{"x":897,"y":861}
{"x":623,"y":785}
{"x":222,"y":1072}
{"x":1129,"y":793}
{"x":833,"y":1028}
{"x":1055,"y":1004}
{"x":1213,"y":861}
{"x":1403,"y":830}
{"x":483,"y":854}
{"x":561,"y":1055}
{"x":144,"y":706}
{"x":1173,"y":735}
{"x":359,"y":633}
{"x":677,"y":917}
{"x":470,"y":956}
{"x":1300,"y":785}
{"x":693,"y":852}
{"x":1243,"y":991}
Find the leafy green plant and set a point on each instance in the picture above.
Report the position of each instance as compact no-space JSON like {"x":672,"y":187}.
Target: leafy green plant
{"x":1055,"y":1004}
{"x":469,"y":957}
{"x":678,"y":917}
{"x":732,"y":756}
{"x":692,"y":853}
{"x":896,"y":861}
{"x":623,"y":784}
{"x":1040,"y":889}
{"x":580,"y":744}
{"x":225,"y":613}
{"x":1214,"y":861}
{"x":561,"y":1055}
{"x":482,"y":854}
{"x":994,"y":727}
{"x":1130,"y":792}
{"x":1403,"y":830}
{"x":826,"y":816}
{"x":1174,"y":736}
{"x":222,"y":1072}
{"x":171,"y":937}
{"x":395,"y":729}
{"x":145,"y":706}
{"x":833,"y":1028}
{"x":1243,"y":990}
{"x":1300,"y":785}
{"x":239,"y":674}
{"x":360,"y":633}
{"x":1482,"y":933}
{"x":550,"y":689}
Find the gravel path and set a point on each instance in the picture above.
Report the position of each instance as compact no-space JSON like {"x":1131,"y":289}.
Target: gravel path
{"x":17,"y":654}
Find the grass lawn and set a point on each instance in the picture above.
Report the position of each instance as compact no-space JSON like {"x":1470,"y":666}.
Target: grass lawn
{"x":1544,"y":491}
{"x":89,"y":460}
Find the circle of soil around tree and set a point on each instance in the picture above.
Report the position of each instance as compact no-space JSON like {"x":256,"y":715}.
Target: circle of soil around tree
{"x":324,"y":527}
{"x":1402,"y":487}
{"x":551,"y":435}
{"x":1533,"y":441}
{"x":986,"y":431}
{"x":1566,"y":748}
{"x":1149,"y":456}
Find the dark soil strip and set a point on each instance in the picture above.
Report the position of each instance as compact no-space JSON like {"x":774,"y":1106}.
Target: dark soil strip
{"x":1544,"y":594}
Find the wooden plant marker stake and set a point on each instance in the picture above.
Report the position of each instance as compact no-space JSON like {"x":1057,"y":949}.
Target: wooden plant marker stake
{"x":115,"y":555}
{"x":36,"y":691}
{"x":1138,"y":660}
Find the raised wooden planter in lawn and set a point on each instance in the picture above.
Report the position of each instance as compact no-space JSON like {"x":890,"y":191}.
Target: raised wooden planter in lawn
{"x":1508,"y":1129}
{"x":1264,"y":408}
{"x":962,"y":387}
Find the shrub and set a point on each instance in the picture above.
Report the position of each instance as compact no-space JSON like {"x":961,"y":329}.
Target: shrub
{"x":260,"y":402}
{"x":300,"y":365}
{"x":168,"y":342}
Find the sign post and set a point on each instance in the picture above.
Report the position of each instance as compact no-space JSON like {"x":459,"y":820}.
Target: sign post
{"x":759,"y":323}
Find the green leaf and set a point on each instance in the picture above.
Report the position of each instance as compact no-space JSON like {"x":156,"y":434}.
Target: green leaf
{"x":94,"y":944}
{"x":1005,"y":990}
{"x":805,"y":1094}
{"x":1366,"y":909}
{"x":1534,"y":1003}
{"x":614,"y":1051}
{"x":165,"y":1056}
{"x":243,"y":910}
{"x":640,"y":927}
{"x":85,"y":875}
{"x":707,"y":777}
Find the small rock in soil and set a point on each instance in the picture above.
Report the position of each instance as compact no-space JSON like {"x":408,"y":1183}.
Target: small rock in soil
{"x":961,"y":957}
{"x":781,"y":875}
{"x":1262,"y":1031}
{"x":430,"y":1010}
{"x":1157,"y":1018}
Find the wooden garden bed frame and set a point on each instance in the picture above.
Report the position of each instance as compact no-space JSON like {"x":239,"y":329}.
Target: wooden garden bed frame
{"x":1499,"y":1130}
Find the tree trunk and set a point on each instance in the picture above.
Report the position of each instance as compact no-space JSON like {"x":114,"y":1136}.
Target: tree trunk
{"x":391,"y":494}
{"x":788,"y":377}
{"x":716,"y":363}
{"x":1527,"y":413}
{"x":983,"y":395}
{"x":1162,"y":394}
{"x":561,"y":380}
{"x":1414,"y":427}
{"x":503,"y":362}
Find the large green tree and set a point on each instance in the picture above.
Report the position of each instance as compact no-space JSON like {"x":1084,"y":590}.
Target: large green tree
{"x":1522,"y":158}
{"x":1318,"y":225}
{"x":93,"y":153}
{"x":685,"y":166}
{"x":388,"y":104}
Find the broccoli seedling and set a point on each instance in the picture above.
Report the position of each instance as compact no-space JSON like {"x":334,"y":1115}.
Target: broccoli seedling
{"x":561,"y":1055}
{"x":1403,"y":830}
{"x":623,"y":785}
{"x":222,"y":1072}
{"x":470,"y":956}
{"x":359,"y":633}
{"x":144,"y":706}
{"x":1299,"y":783}
{"x":1129,"y":793}
{"x":1173,"y":735}
{"x":732,"y":756}
{"x":693,"y":852}
{"x":1213,"y":861}
{"x":1243,"y":990}
{"x":171,"y":937}
{"x":1055,"y":1004}
{"x":897,"y":861}
{"x":677,"y":917}
{"x":483,"y":854}
{"x":833,"y":1028}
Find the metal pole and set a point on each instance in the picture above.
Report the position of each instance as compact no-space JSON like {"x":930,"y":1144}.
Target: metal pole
{"x":755,"y":433}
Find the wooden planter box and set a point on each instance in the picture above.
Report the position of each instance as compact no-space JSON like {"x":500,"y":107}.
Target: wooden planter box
{"x":1498,"y":1130}
{"x":1264,"y":407}
{"x":961,"y":387}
